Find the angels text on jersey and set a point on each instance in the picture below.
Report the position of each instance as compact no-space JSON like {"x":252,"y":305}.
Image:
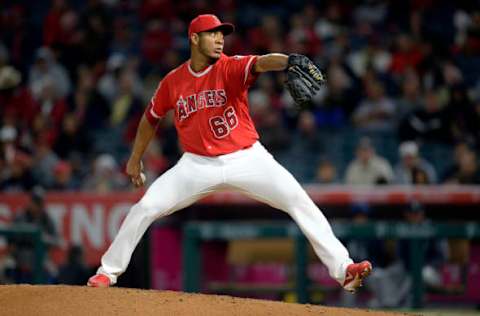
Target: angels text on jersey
{"x":198,"y":101}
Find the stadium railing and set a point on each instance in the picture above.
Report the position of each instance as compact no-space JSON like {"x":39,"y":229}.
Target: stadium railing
{"x":34,"y":234}
{"x":195,"y":232}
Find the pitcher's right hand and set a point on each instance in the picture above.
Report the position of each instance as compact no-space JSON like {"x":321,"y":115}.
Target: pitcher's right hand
{"x":135,"y":172}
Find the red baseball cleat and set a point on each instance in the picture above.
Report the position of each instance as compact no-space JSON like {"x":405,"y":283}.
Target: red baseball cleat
{"x":355,"y":274}
{"x":99,"y":280}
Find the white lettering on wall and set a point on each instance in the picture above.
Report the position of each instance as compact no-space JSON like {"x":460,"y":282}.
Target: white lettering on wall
{"x":92,"y":225}
{"x":57,"y":213}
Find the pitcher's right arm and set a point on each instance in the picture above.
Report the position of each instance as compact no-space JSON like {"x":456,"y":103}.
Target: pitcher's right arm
{"x":145,"y":132}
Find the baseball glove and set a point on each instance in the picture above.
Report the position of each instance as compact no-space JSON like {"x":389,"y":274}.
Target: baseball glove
{"x":304,"y":78}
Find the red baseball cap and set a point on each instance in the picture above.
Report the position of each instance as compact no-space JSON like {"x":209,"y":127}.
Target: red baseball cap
{"x":207,"y":22}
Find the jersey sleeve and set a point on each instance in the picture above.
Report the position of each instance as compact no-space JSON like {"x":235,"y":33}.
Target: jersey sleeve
{"x":160,"y":103}
{"x":240,"y":69}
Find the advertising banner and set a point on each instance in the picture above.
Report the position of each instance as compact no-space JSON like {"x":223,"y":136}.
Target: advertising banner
{"x":89,"y":220}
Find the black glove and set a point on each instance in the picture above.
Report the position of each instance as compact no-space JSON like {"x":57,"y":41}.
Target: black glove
{"x":303,"y":78}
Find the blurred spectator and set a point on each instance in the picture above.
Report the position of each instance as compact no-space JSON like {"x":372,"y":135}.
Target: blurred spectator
{"x":96,"y":23}
{"x":51,"y":107}
{"x":301,"y":37}
{"x":7,"y":266}
{"x":15,"y":163}
{"x":126,"y":109}
{"x":8,"y":138}
{"x":410,"y":100}
{"x":74,"y":271}
{"x":105,"y":176}
{"x":61,"y":32}
{"x":467,"y":59}
{"x":372,"y":55}
{"x":124,"y":41}
{"x":52,"y":23}
{"x":16,"y":101}
{"x":372,"y":12}
{"x":305,"y":145}
{"x":368,"y":168}
{"x":72,"y":139}
{"x":63,"y":177}
{"x":451,"y":75}
{"x":261,"y":99}
{"x":109,"y":83}
{"x":459,"y":151}
{"x":18,"y":33}
{"x":170,"y":60}
{"x":326,"y":173}
{"x":156,"y":41}
{"x":67,"y":42}
{"x":90,"y":109}
{"x":306,"y":137}
{"x":262,"y":37}
{"x":413,"y":169}
{"x":391,"y":286}
{"x":463,"y":115}
{"x":273,"y":134}
{"x":45,"y":161}
{"x":377,"y":111}
{"x":427,"y":123}
{"x":434,"y":249}
{"x":340,"y":98}
{"x":34,"y":214}
{"x":405,"y":55}
{"x":330,"y":25}
{"x":338,"y":48}
{"x":466,"y":171}
{"x":17,"y":176}
{"x":46,"y":71}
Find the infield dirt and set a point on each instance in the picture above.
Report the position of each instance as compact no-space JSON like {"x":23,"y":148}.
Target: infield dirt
{"x":76,"y":300}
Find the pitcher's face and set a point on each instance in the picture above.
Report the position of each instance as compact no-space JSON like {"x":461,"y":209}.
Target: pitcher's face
{"x":211,"y":43}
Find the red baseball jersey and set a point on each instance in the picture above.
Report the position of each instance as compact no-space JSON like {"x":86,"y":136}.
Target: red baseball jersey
{"x":211,"y":106}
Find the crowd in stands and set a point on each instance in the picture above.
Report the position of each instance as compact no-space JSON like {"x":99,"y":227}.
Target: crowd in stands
{"x":403,"y":79}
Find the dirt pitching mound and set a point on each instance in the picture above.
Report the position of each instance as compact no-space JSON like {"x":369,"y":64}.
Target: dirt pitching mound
{"x":77,"y":300}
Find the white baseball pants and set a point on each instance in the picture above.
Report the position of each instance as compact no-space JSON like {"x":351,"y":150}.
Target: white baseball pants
{"x":251,"y":171}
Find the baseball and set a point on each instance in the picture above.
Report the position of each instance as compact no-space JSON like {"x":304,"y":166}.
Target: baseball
{"x":143,"y":177}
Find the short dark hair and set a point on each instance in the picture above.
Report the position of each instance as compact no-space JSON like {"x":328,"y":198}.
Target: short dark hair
{"x":37,"y":194}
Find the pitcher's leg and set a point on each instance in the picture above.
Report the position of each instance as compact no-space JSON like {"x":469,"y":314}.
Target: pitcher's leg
{"x":266,"y":180}
{"x":172,"y":191}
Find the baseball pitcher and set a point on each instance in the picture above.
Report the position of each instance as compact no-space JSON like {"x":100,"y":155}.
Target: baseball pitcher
{"x":208,"y":94}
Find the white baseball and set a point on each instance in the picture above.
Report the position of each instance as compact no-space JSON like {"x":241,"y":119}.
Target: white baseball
{"x":143,"y":177}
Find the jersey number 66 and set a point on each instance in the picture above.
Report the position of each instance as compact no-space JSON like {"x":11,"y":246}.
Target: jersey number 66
{"x":221,"y":126}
